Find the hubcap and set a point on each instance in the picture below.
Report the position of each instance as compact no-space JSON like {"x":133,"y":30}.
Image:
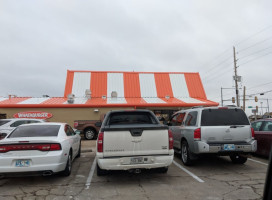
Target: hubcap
{"x":90,"y":134}
{"x":184,"y":153}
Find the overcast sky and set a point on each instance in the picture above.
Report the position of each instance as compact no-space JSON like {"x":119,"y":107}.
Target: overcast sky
{"x":41,"y":40}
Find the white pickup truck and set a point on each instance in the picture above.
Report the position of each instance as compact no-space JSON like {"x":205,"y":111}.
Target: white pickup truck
{"x":133,"y":140}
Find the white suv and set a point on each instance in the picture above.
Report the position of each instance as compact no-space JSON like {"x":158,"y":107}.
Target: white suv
{"x":8,"y":125}
{"x":222,"y":131}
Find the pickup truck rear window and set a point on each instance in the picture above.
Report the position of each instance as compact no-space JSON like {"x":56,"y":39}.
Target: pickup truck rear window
{"x":35,"y":131}
{"x":223,"y":117}
{"x":131,"y":118}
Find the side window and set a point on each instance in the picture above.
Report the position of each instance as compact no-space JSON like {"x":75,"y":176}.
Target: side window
{"x":174,"y":120}
{"x":18,"y":123}
{"x":191,"y":119}
{"x":71,"y":130}
{"x":267,"y":126}
{"x":32,"y":121}
{"x":67,"y":131}
{"x":256,"y":126}
{"x":180,"y":118}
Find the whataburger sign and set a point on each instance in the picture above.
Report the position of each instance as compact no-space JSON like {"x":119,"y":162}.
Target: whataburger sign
{"x":33,"y":114}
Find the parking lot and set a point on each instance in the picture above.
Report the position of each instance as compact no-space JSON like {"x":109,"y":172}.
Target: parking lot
{"x":211,"y":179}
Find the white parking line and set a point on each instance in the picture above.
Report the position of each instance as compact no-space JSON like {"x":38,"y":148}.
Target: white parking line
{"x":188,"y":172}
{"x":89,"y":180}
{"x":258,"y":161}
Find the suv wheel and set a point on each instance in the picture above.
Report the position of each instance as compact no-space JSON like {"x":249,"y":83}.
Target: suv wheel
{"x":89,"y":134}
{"x":185,"y":153}
{"x":237,"y":159}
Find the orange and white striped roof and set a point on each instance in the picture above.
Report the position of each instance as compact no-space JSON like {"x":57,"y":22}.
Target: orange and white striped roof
{"x":134,"y":89}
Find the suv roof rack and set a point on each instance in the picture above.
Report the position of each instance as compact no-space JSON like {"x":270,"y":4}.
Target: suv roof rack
{"x":197,"y":107}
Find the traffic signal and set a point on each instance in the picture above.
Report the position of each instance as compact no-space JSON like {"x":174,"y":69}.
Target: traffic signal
{"x":256,"y":99}
{"x":256,"y":109}
{"x":233,"y":100}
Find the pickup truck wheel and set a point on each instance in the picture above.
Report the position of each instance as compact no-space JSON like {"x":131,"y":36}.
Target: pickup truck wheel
{"x":89,"y":134}
{"x":237,"y":159}
{"x":100,"y":172}
{"x":185,"y":153}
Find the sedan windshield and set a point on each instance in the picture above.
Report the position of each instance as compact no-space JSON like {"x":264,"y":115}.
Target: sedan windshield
{"x":35,"y":131}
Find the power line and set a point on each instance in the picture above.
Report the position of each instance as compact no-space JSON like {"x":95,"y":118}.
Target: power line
{"x":254,"y":35}
{"x":255,"y":44}
{"x":255,"y":59}
{"x":259,"y":85}
{"x":256,"y":52}
{"x":217,"y":76}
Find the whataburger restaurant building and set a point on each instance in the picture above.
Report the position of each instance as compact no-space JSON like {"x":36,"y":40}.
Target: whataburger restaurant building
{"x":88,"y":94}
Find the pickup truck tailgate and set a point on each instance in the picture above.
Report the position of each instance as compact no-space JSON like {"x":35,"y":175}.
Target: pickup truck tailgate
{"x":136,"y":141}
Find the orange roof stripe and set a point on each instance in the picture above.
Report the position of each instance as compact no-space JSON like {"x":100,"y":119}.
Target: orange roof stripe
{"x":163,"y":85}
{"x":14,"y":100}
{"x":132,"y":85}
{"x":195,"y":87}
{"x":55,"y":100}
{"x":69,"y":83}
{"x":98,"y":84}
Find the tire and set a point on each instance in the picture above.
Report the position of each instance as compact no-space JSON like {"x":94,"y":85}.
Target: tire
{"x":79,"y":151}
{"x":237,"y":159}
{"x":162,"y":170}
{"x":68,"y":167}
{"x":89,"y":134}
{"x":100,"y":172}
{"x":186,"y":153}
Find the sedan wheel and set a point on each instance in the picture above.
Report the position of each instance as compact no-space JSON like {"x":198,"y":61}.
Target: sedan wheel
{"x":68,"y":167}
{"x":89,"y":134}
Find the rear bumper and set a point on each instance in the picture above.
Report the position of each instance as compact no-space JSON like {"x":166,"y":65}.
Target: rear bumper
{"x":53,"y":161}
{"x":124,"y":163}
{"x":202,"y":147}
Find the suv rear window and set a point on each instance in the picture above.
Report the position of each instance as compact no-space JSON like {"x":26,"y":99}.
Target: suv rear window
{"x":2,"y":122}
{"x":223,"y":117}
{"x":131,"y":118}
{"x":35,"y":131}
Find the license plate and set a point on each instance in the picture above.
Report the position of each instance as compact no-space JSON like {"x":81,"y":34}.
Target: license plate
{"x":229,"y":147}
{"x":22,"y":163}
{"x":136,"y":160}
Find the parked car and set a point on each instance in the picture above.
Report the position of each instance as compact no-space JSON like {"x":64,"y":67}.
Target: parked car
{"x":88,"y":127}
{"x":44,"y":148}
{"x":263,"y":135}
{"x":133,"y":140}
{"x":223,"y":131}
{"x":8,"y":125}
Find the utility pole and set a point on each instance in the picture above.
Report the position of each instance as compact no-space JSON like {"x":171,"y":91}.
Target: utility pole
{"x":244,"y":99}
{"x":236,"y":77}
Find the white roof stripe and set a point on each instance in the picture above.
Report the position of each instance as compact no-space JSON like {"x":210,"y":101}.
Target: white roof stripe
{"x":81,"y":82}
{"x":179,"y":85}
{"x":154,"y":100}
{"x":3,"y":98}
{"x":34,"y":101}
{"x":190,"y":100}
{"x":78,"y":100}
{"x":116,"y":100}
{"x":115,"y":82}
{"x":148,"y":85}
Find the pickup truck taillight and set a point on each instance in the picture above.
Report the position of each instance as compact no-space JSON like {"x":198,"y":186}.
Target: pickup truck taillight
{"x":197,"y":134}
{"x":170,"y":136}
{"x":75,"y":124}
{"x":100,"y":142}
{"x":252,"y":133}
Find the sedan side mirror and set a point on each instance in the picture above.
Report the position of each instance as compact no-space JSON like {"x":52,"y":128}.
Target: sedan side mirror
{"x":78,"y":132}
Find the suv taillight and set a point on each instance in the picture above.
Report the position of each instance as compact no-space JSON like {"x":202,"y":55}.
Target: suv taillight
{"x":100,"y":142}
{"x":252,"y":133}
{"x":170,"y":136}
{"x":197,"y":134}
{"x":75,"y":124}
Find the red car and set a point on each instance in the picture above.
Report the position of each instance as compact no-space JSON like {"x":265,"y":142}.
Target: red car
{"x":263,"y":135}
